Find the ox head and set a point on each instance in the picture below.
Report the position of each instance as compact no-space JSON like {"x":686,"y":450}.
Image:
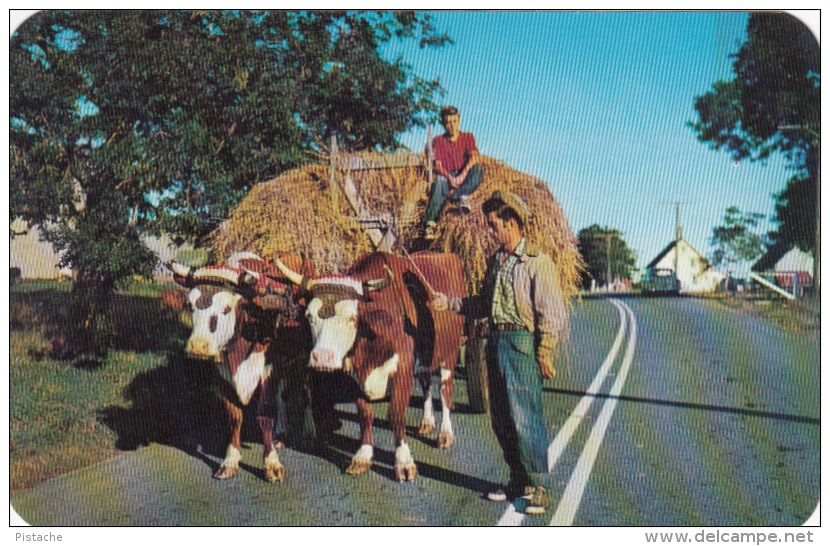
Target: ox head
{"x":332,"y":313}
{"x":217,"y":296}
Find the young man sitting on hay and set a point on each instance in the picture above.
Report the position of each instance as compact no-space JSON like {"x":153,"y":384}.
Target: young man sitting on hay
{"x":457,"y":168}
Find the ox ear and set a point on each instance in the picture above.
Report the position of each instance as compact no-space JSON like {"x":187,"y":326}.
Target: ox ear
{"x":175,"y":298}
{"x":378,"y":284}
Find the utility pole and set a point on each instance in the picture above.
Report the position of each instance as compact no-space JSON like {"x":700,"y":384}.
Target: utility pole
{"x":677,"y":236}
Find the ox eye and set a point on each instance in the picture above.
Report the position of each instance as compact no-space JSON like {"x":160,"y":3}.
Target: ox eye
{"x":226,"y":310}
{"x":353,"y":320}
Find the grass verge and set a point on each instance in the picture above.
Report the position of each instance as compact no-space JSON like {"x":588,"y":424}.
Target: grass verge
{"x":68,"y":414}
{"x":794,"y":316}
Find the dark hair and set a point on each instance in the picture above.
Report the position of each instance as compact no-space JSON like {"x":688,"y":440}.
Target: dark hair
{"x":448,"y":111}
{"x":502,"y":210}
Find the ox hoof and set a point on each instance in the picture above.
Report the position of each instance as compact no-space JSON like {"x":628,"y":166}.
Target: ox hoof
{"x":358,"y":467}
{"x":406,"y":472}
{"x":226,"y":472}
{"x":446,"y":440}
{"x":427,"y":428}
{"x":275,"y":474}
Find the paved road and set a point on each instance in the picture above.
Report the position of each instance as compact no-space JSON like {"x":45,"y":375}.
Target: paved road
{"x":666,"y":411}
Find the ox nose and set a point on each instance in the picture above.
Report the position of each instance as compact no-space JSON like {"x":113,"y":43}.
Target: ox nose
{"x":323,"y":359}
{"x":199,"y":348}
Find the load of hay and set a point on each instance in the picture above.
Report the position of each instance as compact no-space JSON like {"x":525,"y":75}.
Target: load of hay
{"x":299,"y":212}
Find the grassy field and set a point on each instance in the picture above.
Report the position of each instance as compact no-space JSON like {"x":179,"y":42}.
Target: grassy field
{"x":67,"y":414}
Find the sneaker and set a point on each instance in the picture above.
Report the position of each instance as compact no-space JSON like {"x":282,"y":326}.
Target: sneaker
{"x":502,"y":494}
{"x":539,"y":502}
{"x":499,"y":495}
{"x":464,"y":204}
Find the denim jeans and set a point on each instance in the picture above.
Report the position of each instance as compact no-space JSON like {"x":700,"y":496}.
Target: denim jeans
{"x":441,"y":190}
{"x":515,"y":384}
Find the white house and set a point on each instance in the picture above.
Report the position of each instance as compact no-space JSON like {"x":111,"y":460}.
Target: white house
{"x":694,"y":272}
{"x":37,"y":259}
{"x":34,"y":258}
{"x":787,"y":264}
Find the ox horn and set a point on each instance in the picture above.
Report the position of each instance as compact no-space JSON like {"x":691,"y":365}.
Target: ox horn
{"x":377,"y":284}
{"x":213,"y":274}
{"x":217,"y":274}
{"x":179,"y":269}
{"x":292,"y":275}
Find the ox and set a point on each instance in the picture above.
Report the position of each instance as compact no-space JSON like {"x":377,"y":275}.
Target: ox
{"x":243,"y":319}
{"x":373,"y":324}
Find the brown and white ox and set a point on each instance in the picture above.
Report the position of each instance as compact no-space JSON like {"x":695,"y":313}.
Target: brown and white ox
{"x":372,"y":324}
{"x":242,"y":320}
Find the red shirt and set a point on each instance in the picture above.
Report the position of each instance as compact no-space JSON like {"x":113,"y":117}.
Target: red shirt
{"x":453,"y":155}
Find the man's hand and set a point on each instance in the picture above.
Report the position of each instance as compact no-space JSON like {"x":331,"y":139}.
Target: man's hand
{"x":546,"y":368}
{"x":456,"y":181}
{"x":439,"y":302}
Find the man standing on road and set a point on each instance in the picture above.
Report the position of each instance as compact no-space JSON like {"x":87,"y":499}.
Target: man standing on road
{"x":522,"y":297}
{"x":457,"y":168}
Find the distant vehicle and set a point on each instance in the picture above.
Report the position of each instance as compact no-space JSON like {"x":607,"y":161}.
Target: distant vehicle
{"x":661,"y":280}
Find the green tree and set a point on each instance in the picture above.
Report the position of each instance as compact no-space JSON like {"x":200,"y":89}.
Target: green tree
{"x":604,"y":250}
{"x":132,"y":123}
{"x":735,"y":240}
{"x":772,"y":106}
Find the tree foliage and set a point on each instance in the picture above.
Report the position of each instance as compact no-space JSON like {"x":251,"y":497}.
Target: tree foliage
{"x":735,"y":240}
{"x":795,"y":208}
{"x":131,"y":123}
{"x":594,"y":247}
{"x":772,"y":106}
{"x":177,"y":113}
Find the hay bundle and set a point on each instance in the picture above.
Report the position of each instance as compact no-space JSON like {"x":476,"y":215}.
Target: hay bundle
{"x":295,"y":213}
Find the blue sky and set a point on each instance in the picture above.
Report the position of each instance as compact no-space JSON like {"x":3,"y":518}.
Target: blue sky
{"x":596,"y":104}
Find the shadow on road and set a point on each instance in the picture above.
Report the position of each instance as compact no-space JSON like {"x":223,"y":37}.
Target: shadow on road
{"x":175,"y":401}
{"x":701,"y":407}
{"x":339,"y":450}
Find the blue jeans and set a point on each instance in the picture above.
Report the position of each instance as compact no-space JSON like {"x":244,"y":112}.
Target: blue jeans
{"x":441,"y":190}
{"x":515,"y":384}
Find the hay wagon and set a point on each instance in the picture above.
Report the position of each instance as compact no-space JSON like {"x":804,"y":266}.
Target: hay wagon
{"x":335,"y":212}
